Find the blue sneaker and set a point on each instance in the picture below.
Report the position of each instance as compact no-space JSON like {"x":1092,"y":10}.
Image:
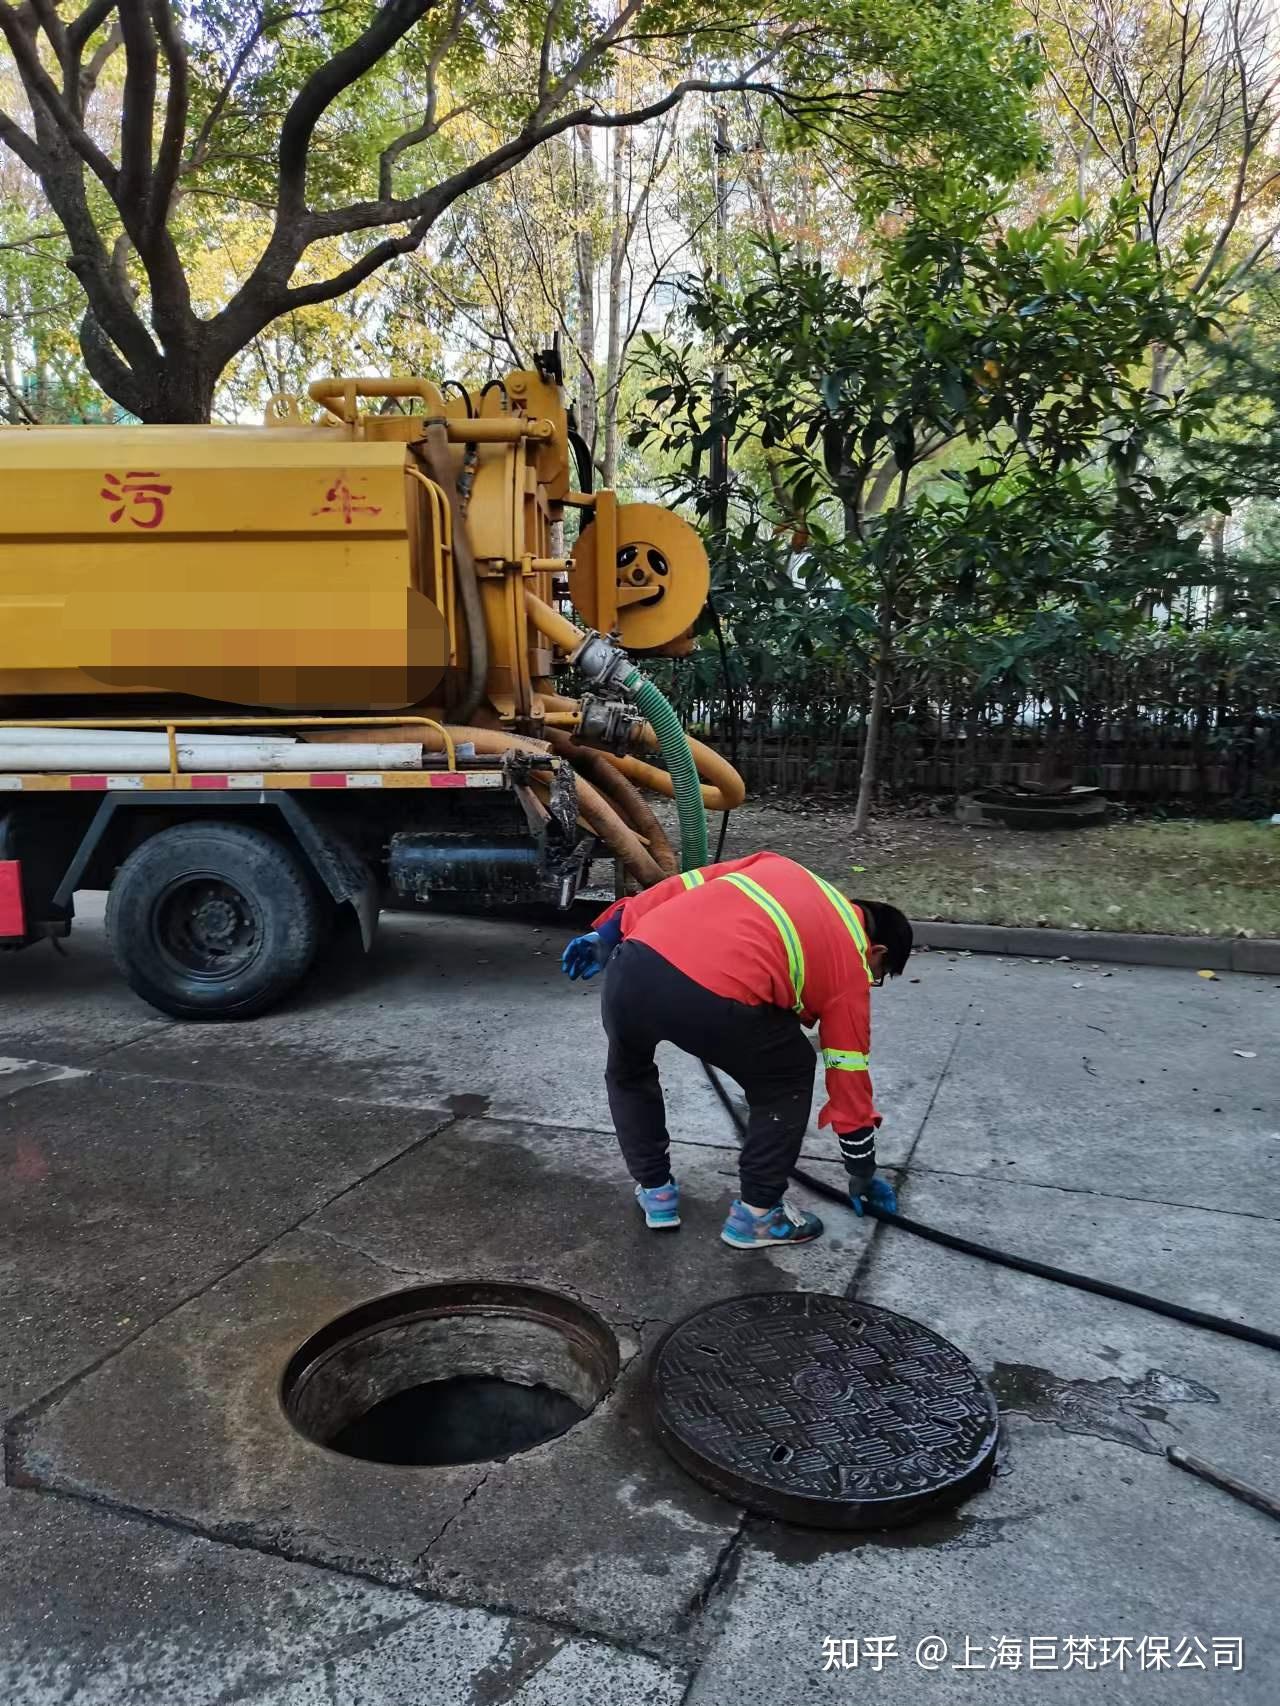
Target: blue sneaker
{"x":785,"y":1224}
{"x":661,"y":1205}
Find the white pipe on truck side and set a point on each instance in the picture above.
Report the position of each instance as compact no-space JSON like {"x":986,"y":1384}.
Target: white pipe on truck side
{"x":121,"y":737}
{"x":246,"y":756}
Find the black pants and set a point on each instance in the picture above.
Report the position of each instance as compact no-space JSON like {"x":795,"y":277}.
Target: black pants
{"x":646,"y":1002}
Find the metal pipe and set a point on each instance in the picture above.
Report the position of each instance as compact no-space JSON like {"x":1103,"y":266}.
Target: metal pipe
{"x":563,"y":633}
{"x":328,"y":391}
{"x":434,"y":453}
{"x":600,"y":816}
{"x":409,"y":720}
{"x":723,"y":788}
{"x":143,"y":758}
{"x":1265,"y":1502}
{"x":628,"y":802}
{"x":339,"y":397}
{"x":34,"y":734}
{"x":725,"y":794}
{"x":499,"y":429}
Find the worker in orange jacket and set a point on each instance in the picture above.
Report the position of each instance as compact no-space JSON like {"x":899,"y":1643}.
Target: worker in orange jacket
{"x":729,"y":963}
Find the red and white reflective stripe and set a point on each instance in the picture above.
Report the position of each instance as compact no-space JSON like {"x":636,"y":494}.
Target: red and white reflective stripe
{"x":211,"y":781}
{"x":203,"y":781}
{"x":12,"y":916}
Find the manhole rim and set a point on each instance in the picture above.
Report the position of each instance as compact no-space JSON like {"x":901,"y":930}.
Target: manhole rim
{"x":593,"y":1332}
{"x":809,"y":1510}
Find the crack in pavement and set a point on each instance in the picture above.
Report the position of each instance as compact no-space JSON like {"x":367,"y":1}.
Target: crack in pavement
{"x":607,"y":1305}
{"x":17,"y":1423}
{"x":1071,"y":1190}
{"x":359,"y":1250}
{"x":261,"y":1682}
{"x":243,"y":1538}
{"x":449,"y":1521}
{"x":721,"y":1574}
{"x":865,"y":1260}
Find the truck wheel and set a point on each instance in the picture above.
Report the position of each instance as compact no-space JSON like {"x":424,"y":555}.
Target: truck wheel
{"x":213,"y":921}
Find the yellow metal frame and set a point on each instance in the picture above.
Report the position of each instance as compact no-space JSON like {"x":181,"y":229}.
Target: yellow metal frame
{"x":340,"y":396}
{"x":441,"y":548}
{"x":171,"y":725}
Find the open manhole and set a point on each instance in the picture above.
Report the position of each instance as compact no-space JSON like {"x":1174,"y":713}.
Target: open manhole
{"x":459,"y":1373}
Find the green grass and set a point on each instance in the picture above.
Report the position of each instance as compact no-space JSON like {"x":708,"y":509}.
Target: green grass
{"x":1179,"y":878}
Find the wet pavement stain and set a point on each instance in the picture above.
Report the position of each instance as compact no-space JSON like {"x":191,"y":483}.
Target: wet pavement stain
{"x":524,"y":1652}
{"x":467,"y":1106}
{"x":957,"y":1531}
{"x":1107,"y":1409}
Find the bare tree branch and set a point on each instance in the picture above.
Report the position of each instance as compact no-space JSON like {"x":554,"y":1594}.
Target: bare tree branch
{"x":177,"y":105}
{"x":41,"y":91}
{"x":89,"y":77}
{"x":80,"y":29}
{"x":554,"y":11}
{"x":137,"y":126}
{"x":199,"y":148}
{"x":17,"y":140}
{"x":392,"y":23}
{"x":423,"y":132}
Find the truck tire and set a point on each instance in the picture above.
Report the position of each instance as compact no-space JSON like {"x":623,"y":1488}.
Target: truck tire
{"x":213,"y":921}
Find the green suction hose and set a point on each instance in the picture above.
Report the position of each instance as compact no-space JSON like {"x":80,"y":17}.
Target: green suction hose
{"x":674,"y":746}
{"x":604,"y":665}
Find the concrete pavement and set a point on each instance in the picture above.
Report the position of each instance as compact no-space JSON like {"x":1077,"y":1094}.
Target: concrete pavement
{"x":180,"y":1206}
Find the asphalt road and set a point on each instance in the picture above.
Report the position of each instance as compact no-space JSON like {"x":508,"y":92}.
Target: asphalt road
{"x":180,"y":1206}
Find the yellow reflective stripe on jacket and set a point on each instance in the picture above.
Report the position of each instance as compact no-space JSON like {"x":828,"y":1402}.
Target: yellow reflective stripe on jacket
{"x":786,"y":929}
{"x":845,"y":1060}
{"x":850,"y":919}
{"x":692,"y":879}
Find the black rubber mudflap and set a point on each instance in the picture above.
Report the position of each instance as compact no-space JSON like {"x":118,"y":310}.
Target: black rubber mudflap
{"x":823,"y":1411}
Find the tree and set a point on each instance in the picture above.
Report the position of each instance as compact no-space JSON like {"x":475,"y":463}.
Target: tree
{"x":338,"y":125}
{"x":1026,"y":351}
{"x":1172,"y":104}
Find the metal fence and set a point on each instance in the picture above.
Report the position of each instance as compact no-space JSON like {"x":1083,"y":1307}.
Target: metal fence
{"x":1183,"y":719}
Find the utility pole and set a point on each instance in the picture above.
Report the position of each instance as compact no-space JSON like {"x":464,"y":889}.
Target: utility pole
{"x":719,"y":377}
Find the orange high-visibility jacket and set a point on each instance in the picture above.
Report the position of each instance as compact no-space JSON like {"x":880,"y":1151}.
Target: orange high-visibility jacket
{"x":765,"y":929}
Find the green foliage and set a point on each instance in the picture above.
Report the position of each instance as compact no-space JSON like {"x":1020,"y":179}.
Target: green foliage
{"x":966,"y":435}
{"x":42,"y":377}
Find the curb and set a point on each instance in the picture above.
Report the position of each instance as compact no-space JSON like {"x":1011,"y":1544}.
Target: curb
{"x":1196,"y":953}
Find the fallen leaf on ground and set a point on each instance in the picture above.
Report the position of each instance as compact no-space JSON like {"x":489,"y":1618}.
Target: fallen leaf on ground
{"x":1211,"y":975}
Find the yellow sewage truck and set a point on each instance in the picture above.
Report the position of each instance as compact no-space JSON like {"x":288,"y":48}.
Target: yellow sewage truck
{"x":256,"y":678}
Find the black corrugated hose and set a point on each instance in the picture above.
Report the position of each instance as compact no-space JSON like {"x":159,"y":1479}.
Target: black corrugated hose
{"x":1003,"y":1258}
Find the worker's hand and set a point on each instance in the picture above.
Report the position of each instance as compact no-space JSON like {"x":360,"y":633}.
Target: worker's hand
{"x":581,"y":958}
{"x":880,"y":1194}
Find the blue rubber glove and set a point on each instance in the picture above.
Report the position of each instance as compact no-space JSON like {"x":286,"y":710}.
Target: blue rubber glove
{"x":580,"y":958}
{"x":881,"y":1194}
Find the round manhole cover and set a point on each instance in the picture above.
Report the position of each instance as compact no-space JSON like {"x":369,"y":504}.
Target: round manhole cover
{"x":822,"y":1410}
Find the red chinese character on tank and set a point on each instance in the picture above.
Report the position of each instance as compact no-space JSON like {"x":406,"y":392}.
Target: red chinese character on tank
{"x":339,"y":499}
{"x":139,"y":494}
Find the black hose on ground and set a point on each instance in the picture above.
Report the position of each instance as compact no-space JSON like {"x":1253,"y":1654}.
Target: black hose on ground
{"x":1004,"y":1259}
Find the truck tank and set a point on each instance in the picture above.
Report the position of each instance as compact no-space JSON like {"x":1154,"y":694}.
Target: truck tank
{"x":396,"y":546}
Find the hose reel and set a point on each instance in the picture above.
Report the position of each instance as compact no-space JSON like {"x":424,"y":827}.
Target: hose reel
{"x":660,"y":575}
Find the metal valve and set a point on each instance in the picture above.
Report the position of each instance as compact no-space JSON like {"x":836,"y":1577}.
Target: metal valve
{"x":611,"y":724}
